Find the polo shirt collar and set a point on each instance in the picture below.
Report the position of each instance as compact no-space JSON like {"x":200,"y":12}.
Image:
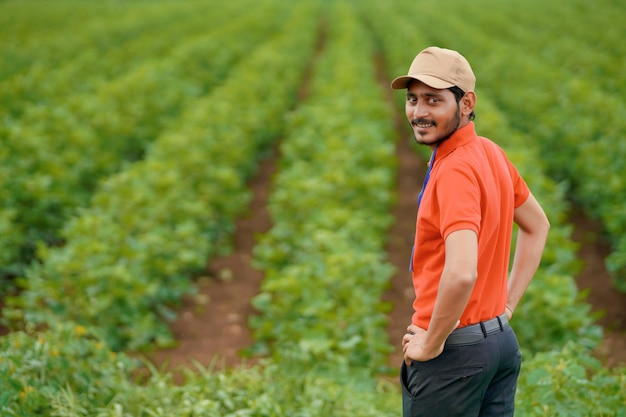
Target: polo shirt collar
{"x":459,"y":138}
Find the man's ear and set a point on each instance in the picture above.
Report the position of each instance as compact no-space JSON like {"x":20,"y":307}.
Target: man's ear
{"x":467,"y":103}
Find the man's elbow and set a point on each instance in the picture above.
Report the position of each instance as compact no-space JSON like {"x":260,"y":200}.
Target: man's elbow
{"x":467,"y":279}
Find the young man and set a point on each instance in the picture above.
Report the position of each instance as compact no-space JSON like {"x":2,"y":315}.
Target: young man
{"x":462,"y":357}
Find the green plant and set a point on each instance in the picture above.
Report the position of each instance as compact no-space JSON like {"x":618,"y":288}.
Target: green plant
{"x":570,"y":383}
{"x":324,"y":258}
{"x":41,"y":372}
{"x":59,"y":146}
{"x":130,"y":256}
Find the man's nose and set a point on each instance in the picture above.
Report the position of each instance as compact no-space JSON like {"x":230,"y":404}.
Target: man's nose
{"x":419,"y":111}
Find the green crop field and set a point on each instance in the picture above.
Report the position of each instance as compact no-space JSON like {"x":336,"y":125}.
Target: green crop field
{"x":130,"y":130}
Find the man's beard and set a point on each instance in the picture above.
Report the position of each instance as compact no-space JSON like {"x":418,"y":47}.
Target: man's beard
{"x":452,"y":126}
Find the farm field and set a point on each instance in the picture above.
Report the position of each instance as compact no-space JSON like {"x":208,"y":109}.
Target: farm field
{"x":207,"y":207}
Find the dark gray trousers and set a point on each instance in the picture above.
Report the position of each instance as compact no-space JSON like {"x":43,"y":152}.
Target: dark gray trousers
{"x":475,"y":380}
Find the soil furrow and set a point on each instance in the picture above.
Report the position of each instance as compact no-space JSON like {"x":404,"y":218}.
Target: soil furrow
{"x":212,"y":327}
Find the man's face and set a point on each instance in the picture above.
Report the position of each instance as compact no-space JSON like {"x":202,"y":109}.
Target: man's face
{"x":434,"y":114}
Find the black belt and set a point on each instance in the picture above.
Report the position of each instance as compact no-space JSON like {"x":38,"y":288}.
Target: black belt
{"x":474,"y":333}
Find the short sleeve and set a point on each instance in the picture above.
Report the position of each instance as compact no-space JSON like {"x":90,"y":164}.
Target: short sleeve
{"x":458,"y":201}
{"x":520,"y":188}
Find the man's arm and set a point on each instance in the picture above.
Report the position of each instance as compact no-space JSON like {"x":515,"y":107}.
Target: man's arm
{"x":457,"y":281}
{"x":531,"y":239}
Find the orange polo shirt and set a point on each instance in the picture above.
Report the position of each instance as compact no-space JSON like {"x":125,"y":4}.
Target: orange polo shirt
{"x":474,"y":186}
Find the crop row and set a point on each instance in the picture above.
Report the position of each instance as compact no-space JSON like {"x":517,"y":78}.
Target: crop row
{"x":87,"y":35}
{"x":353,"y":155}
{"x":57,"y":151}
{"x":577,"y":50}
{"x":92,"y":63}
{"x":67,"y":372}
{"x":324,"y":258}
{"x":129,"y":256}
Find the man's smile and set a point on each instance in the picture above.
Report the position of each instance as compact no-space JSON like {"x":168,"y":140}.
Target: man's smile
{"x":423,"y":124}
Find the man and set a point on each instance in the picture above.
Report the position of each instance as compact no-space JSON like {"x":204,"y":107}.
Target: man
{"x":461,"y":356}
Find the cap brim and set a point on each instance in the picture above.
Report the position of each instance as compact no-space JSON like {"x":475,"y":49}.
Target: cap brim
{"x":434,"y":82}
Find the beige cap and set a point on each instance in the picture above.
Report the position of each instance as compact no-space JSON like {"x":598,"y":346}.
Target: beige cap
{"x":439,"y":68}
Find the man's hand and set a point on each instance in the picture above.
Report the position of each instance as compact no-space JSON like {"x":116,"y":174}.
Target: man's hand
{"x":415,"y":348}
{"x":509,"y":312}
